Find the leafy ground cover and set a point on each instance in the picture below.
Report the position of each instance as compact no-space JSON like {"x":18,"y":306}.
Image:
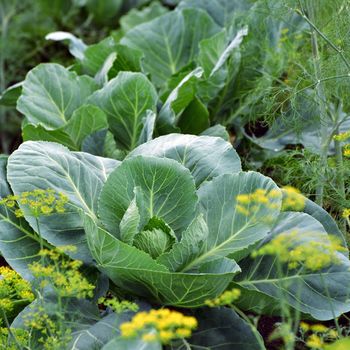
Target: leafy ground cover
{"x":175,"y":176}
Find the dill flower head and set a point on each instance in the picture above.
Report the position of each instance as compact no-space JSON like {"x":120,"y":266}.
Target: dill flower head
{"x":62,"y":274}
{"x":346,"y":151}
{"x":7,"y":343}
{"x":226,"y":298}
{"x":37,"y":202}
{"x":342,"y":136}
{"x":319,"y":328}
{"x":346,"y":213}
{"x":312,"y":255}
{"x":118,"y":306}
{"x":13,"y":288}
{"x":48,"y":328}
{"x":292,"y":199}
{"x":314,"y":342}
{"x":248,"y":204}
{"x":163,"y":325}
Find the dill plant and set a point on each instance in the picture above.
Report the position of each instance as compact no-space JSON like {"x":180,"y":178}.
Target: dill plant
{"x":316,"y":71}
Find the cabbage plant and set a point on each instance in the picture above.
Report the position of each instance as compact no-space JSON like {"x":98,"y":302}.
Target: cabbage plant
{"x":178,"y":222}
{"x":176,"y":226}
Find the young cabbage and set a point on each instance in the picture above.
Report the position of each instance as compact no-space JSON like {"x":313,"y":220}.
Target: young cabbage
{"x":172,"y":229}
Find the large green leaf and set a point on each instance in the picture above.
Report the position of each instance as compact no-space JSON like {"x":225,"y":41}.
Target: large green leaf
{"x":95,"y":55}
{"x":221,"y":328}
{"x":132,"y":344}
{"x":217,"y":131}
{"x":19,"y":245}
{"x":125,"y":100}
{"x":323,"y":294}
{"x":51,"y":94}
{"x":195,"y":118}
{"x":127,"y":59}
{"x":231,"y":232}
{"x":167,"y":187}
{"x":76,"y":45}
{"x":85,"y":121}
{"x":170,"y":42}
{"x":136,"y":16}
{"x":177,"y":101}
{"x":99,"y":333}
{"x":42,"y":165}
{"x":214,"y":56}
{"x":104,"y":11}
{"x":10,"y":96}
{"x":206,"y":157}
{"x":222,"y":11}
{"x":136,"y":272}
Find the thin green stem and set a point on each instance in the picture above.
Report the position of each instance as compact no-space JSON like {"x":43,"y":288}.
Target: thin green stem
{"x":321,"y":100}
{"x":331,"y":304}
{"x":340,"y":172}
{"x":250,"y":323}
{"x":324,"y":37}
{"x":9,"y":329}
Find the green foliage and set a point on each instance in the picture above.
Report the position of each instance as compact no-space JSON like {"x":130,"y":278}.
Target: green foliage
{"x":156,"y":215}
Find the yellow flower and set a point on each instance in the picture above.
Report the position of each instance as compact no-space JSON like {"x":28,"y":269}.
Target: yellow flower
{"x":346,"y":151}
{"x":6,"y":304}
{"x":62,"y":274}
{"x":304,"y":326}
{"x":319,"y":328}
{"x":314,"y":342}
{"x":166,"y":336}
{"x":13,"y":288}
{"x":118,"y":306}
{"x":342,"y":136}
{"x":248,"y":204}
{"x":149,"y":337}
{"x":183,"y":332}
{"x":332,"y":334}
{"x":19,"y":213}
{"x":346,"y":213}
{"x":243,"y":198}
{"x":226,"y":298}
{"x":312,"y":255}
{"x":293,"y":199}
{"x":10,"y":203}
{"x":45,"y":209}
{"x":163,"y":325}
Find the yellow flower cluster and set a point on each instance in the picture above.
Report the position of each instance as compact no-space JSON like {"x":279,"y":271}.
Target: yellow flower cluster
{"x":346,"y":213}
{"x":292,"y":199}
{"x":319,"y":333}
{"x":52,"y":336}
{"x":62,"y":274}
{"x":7,"y":343}
{"x":342,"y":136}
{"x":226,"y":298}
{"x":346,"y":151}
{"x":312,"y":255}
{"x":118,"y":306}
{"x":13,"y":288}
{"x":38,"y":202}
{"x":315,"y":342}
{"x":249,"y":203}
{"x":161,"y":325}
